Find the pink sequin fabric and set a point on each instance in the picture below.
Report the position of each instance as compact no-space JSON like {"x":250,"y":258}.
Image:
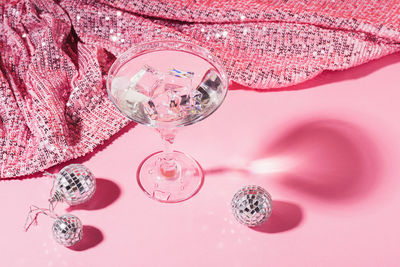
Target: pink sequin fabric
{"x":54,"y":57}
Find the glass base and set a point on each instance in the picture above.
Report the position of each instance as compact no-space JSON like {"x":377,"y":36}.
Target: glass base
{"x":170,"y":186}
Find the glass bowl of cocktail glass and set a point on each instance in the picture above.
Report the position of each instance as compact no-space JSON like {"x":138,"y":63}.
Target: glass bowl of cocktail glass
{"x":167,"y":84}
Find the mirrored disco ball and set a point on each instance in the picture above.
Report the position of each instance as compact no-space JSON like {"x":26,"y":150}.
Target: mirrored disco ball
{"x":67,"y":230}
{"x":252,"y":205}
{"x":75,"y":184}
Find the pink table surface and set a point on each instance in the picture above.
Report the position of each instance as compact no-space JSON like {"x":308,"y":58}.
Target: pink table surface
{"x":329,"y":155}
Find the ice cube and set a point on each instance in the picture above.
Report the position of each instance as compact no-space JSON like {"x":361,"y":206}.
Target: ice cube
{"x":150,"y":109}
{"x":169,"y":106}
{"x":164,"y":107}
{"x":208,"y":92}
{"x":146,"y":80}
{"x":172,"y":87}
{"x":196,"y":104}
{"x":119,"y":85}
{"x":133,"y":97}
{"x":179,"y":82}
{"x":200,"y":100}
{"x":184,"y":102}
{"x":131,"y":102}
{"x":159,"y":96}
{"x":212,"y":81}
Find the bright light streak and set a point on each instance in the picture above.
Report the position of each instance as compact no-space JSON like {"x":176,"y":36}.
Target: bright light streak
{"x":271,"y":165}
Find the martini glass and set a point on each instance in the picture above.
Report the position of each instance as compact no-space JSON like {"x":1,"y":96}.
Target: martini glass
{"x":167,"y":84}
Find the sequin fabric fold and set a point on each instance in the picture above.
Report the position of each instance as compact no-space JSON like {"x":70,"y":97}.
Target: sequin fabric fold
{"x":54,"y":57}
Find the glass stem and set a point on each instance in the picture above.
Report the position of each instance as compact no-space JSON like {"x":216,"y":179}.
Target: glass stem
{"x":168,"y":165}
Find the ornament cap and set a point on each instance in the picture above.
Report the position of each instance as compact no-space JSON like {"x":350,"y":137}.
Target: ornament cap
{"x":57,"y":197}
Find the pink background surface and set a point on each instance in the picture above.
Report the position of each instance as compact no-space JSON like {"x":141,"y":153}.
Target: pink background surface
{"x":329,"y":155}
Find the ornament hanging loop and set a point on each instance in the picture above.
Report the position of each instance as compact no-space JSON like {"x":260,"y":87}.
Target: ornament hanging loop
{"x":54,"y":199}
{"x":33,"y":214}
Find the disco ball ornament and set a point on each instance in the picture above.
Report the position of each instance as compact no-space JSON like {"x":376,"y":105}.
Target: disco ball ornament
{"x":67,"y":230}
{"x":75,"y":184}
{"x":252,"y":205}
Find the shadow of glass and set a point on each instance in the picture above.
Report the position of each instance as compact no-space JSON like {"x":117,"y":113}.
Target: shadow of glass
{"x":335,"y":160}
{"x":107,"y":192}
{"x":285,"y":217}
{"x":331,"y":160}
{"x":92,"y":237}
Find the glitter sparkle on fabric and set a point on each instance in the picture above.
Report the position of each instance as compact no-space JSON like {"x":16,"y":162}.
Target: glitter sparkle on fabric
{"x":54,"y":57}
